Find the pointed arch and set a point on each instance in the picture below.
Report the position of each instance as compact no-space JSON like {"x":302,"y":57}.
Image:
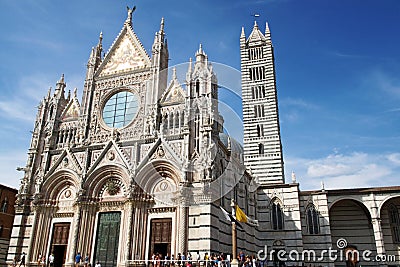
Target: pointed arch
{"x":394,"y":220}
{"x":160,"y":179}
{"x":261,"y":149}
{"x":95,"y":182}
{"x":312,"y":218}
{"x":57,"y":182}
{"x":157,"y":170}
{"x":276,"y":211}
{"x":197,"y":88}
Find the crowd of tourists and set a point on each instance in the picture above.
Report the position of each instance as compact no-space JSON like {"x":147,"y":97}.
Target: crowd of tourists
{"x":188,"y":260}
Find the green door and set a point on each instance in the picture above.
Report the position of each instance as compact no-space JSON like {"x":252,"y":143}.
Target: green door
{"x":107,"y":238}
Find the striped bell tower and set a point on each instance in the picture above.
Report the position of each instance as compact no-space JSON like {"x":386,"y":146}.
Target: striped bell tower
{"x":262,"y":139}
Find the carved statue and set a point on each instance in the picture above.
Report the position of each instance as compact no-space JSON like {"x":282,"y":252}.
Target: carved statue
{"x":115,"y":134}
{"x":38,"y":183}
{"x":130,"y":11}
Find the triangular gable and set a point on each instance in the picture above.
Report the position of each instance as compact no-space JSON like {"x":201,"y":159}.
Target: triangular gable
{"x":174,"y":93}
{"x":111,"y":155}
{"x":126,"y":54}
{"x":256,"y":35}
{"x":72,"y":110}
{"x":67,"y":160}
{"x":160,"y":150}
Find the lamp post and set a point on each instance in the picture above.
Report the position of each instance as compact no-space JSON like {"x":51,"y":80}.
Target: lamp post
{"x":234,"y":262}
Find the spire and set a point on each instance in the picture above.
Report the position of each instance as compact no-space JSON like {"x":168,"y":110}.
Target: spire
{"x":200,"y":55}
{"x":61,"y":79}
{"x":190,"y":65}
{"x":100,"y":44}
{"x":267,"y":31}
{"x":91,"y":55}
{"x":200,"y":51}
{"x":100,"y":39}
{"x":267,"y":28}
{"x":162,"y":25}
{"x":48,"y":94}
{"x":189,"y":71}
{"x":174,"y":73}
{"x":242,"y":35}
{"x":60,"y":86}
{"x":255,"y":24}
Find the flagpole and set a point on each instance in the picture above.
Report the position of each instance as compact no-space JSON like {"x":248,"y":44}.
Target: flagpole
{"x":234,"y":262}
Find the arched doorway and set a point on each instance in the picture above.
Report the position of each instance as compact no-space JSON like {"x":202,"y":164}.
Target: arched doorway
{"x":390,"y":225}
{"x":350,"y":223}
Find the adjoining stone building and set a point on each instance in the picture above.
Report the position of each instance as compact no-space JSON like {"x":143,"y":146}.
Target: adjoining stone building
{"x":7,"y":201}
{"x":142,"y":165}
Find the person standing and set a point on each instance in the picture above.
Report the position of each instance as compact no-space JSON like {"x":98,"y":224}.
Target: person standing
{"x":78,"y":258}
{"x":39,"y":260}
{"x":167,"y":260}
{"x":22,"y":261}
{"x":51,"y":260}
{"x":87,"y":260}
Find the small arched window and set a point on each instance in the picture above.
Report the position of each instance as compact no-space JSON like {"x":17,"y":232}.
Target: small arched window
{"x":177,"y":119}
{"x":276,"y":216}
{"x":171,"y":120}
{"x":4,"y":205}
{"x":197,"y":88}
{"x":51,"y":112}
{"x":260,"y":149}
{"x":312,"y":220}
{"x":394,"y":219}
{"x":182,"y":118}
{"x":166,"y":121}
{"x":197,"y":130}
{"x":260,"y":130}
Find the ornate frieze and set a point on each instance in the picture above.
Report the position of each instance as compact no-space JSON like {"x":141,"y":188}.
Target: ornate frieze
{"x":125,"y":80}
{"x":161,"y":210}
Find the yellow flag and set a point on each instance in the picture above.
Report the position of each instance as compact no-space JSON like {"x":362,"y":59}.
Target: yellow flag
{"x":240,"y":215}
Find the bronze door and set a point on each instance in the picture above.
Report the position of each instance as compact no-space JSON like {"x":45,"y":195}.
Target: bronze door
{"x":59,"y":243}
{"x":107,"y":238}
{"x":160,"y":237}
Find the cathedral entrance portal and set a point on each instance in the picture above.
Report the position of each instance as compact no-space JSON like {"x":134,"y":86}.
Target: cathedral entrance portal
{"x":59,"y":243}
{"x":160,"y":237}
{"x":107,"y":239}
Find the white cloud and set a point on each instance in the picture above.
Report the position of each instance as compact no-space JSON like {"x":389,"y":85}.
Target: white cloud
{"x":297,"y":102}
{"x":386,"y":83}
{"x":352,"y":170}
{"x":394,"y":158}
{"x":22,"y":103}
{"x":38,"y":43}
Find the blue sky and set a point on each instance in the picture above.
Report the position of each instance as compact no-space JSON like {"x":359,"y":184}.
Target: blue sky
{"x":337,"y":67}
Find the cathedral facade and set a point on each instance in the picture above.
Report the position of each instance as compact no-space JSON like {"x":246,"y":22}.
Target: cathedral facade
{"x":142,"y":165}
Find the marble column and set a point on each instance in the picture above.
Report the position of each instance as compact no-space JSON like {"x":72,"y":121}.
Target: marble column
{"x":32,"y":237}
{"x":182,"y":230}
{"x":75,"y":233}
{"x":380,"y":245}
{"x":129,"y":214}
{"x":377,"y":227}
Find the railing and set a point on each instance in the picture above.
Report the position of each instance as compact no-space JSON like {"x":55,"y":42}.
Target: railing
{"x":179,"y":263}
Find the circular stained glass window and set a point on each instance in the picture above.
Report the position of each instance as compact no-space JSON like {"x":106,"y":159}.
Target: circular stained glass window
{"x":120,"y":109}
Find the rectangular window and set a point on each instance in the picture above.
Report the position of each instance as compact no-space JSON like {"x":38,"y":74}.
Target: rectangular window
{"x":256,"y":53}
{"x":257,"y":73}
